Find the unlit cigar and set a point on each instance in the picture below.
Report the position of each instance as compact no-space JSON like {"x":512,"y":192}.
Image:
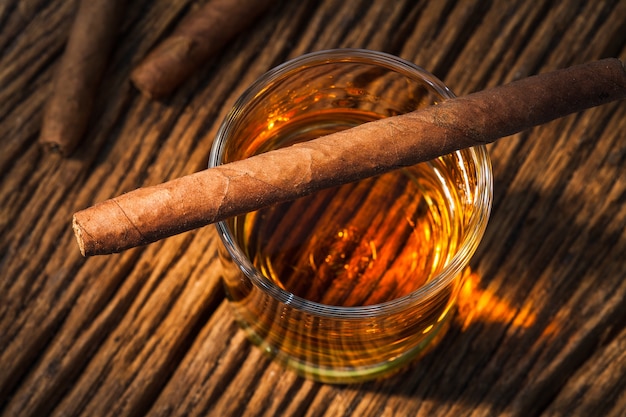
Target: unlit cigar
{"x":152,"y":213}
{"x":200,"y":35}
{"x":79,"y":74}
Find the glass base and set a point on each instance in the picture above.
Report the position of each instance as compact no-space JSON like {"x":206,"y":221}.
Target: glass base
{"x":351,"y":374}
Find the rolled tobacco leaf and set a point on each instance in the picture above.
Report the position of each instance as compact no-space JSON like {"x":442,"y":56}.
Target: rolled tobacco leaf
{"x":152,"y":213}
{"x":198,"y":36}
{"x":79,"y":74}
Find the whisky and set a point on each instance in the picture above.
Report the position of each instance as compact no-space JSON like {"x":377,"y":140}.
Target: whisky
{"x":356,"y":281}
{"x":359,"y":244}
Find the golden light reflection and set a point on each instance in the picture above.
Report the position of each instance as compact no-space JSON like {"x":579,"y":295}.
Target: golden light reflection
{"x":476,"y":304}
{"x":273,"y":120}
{"x":373,"y":248}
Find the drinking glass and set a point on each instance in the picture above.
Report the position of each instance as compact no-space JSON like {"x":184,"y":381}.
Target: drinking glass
{"x":353,"y":282}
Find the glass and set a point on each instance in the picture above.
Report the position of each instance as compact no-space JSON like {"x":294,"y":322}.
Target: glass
{"x":351,"y":283}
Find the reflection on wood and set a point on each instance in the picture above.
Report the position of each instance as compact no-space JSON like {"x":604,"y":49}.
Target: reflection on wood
{"x":478,"y":305}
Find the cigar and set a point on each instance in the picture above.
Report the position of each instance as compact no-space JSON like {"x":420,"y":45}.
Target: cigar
{"x":197,"y":37}
{"x":79,"y":74}
{"x":152,"y":213}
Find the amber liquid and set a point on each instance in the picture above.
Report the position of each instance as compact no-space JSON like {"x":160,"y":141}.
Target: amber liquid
{"x":359,"y":244}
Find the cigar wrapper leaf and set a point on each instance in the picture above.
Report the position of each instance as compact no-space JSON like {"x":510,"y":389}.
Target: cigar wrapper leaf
{"x":153,"y":213}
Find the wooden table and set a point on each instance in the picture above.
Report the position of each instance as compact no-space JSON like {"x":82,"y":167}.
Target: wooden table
{"x":541,"y":328}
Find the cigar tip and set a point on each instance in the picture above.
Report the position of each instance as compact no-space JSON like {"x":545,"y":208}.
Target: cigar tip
{"x":78,"y":232}
{"x":52,"y":146}
{"x":136,"y":78}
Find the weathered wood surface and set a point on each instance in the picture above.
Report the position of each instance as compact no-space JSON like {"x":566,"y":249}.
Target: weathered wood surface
{"x":541,"y":329}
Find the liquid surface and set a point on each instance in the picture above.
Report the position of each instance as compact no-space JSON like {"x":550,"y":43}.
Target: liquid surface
{"x":358,"y":244}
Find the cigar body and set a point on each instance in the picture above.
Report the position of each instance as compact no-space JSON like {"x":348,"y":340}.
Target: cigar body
{"x":149,"y":214}
{"x":200,"y":35}
{"x":78,"y":76}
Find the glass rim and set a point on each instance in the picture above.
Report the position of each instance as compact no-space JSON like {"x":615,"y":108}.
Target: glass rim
{"x":476,"y":224}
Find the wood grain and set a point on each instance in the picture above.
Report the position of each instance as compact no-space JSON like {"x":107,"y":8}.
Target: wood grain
{"x":540,"y":331}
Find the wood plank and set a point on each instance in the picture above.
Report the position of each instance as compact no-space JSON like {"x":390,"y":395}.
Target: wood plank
{"x":540,"y":329}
